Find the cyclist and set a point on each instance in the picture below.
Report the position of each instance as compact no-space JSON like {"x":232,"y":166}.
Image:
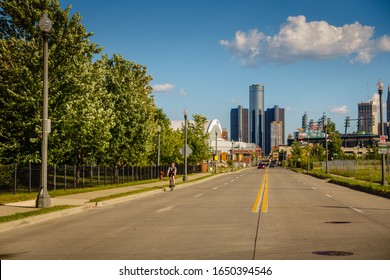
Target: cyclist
{"x":171,"y":174}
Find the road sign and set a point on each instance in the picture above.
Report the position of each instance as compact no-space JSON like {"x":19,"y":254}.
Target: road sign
{"x":188,"y":151}
{"x":382,"y":138}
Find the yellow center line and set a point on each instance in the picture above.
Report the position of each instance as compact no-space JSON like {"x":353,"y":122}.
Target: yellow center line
{"x":264,"y":208}
{"x":262,"y":196}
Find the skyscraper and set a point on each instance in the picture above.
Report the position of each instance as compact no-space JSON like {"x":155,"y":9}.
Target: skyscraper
{"x":274,"y":123}
{"x":239,"y":124}
{"x":388,"y":104}
{"x":256,"y":115}
{"x":367,"y":117}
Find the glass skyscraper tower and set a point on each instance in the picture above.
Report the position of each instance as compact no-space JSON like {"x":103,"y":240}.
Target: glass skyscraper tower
{"x":256,"y":115}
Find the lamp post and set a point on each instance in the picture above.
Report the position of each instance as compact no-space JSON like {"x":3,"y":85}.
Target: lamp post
{"x":232,"y":155}
{"x":185,"y":178}
{"x":158,"y":147}
{"x":43,"y":198}
{"x":216,"y":151}
{"x":326,"y":144}
{"x":380,"y":91}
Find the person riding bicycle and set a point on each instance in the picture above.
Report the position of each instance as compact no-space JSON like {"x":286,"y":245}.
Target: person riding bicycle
{"x":171,"y":174}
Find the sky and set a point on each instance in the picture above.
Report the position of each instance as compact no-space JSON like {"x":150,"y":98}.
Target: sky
{"x":311,"y":56}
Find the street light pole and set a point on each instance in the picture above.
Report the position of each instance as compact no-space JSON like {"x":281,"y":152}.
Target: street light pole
{"x":185,"y":178}
{"x":216,"y":150}
{"x":232,"y":155}
{"x":380,"y":91}
{"x":326,"y":143}
{"x":43,"y":198}
{"x":158,"y":150}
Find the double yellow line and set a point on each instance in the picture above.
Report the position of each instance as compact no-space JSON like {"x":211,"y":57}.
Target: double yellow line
{"x":262,"y":195}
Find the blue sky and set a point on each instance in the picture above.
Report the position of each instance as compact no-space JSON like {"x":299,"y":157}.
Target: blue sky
{"x":311,"y":56}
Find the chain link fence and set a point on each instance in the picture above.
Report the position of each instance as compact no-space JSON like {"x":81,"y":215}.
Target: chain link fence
{"x":26,"y":177}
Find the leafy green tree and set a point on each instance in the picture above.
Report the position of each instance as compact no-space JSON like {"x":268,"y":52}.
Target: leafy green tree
{"x":296,"y":154}
{"x":83,"y":130}
{"x":318,"y":152}
{"x":197,"y":139}
{"x":134,"y":130}
{"x":170,"y":141}
{"x":334,"y":141}
{"x":76,"y":96}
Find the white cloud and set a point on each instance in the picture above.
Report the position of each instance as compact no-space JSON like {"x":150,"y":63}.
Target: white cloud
{"x":339,"y":109}
{"x":182,"y":92}
{"x":246,"y":46}
{"x":384,"y":43}
{"x":375,"y":98}
{"x":163,"y":87}
{"x":299,"y":39}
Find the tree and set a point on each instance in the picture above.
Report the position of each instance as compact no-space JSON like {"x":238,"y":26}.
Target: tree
{"x":134,"y":130}
{"x":197,"y":139}
{"x":334,"y":141}
{"x":296,"y":154}
{"x":170,"y":141}
{"x":76,"y":96}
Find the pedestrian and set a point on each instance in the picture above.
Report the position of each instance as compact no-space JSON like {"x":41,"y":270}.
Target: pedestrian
{"x":171,"y":174}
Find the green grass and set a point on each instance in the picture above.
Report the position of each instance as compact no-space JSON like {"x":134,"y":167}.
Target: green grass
{"x":41,"y":211}
{"x":103,"y":198}
{"x":24,"y":195}
{"x":9,"y":198}
{"x":366,"y":182}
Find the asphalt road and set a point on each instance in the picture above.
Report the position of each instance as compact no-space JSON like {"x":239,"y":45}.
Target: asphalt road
{"x":261,"y":214}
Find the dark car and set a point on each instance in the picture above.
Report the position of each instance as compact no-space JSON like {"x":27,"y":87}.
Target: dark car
{"x":261,"y":166}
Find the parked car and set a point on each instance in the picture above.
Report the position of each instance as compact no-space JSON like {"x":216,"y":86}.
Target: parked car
{"x":261,"y":166}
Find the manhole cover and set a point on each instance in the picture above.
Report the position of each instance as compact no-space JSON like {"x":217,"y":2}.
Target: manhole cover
{"x":332,"y":253}
{"x":338,"y":222}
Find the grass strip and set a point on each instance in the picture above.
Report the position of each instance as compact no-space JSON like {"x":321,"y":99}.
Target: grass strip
{"x":41,"y":211}
{"x":352,"y":183}
{"x":113,"y":196}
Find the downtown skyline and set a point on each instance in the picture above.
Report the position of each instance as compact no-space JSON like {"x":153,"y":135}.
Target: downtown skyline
{"x":311,"y":57}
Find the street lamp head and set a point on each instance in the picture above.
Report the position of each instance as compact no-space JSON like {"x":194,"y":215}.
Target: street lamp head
{"x":158,"y":128}
{"x":45,"y":23}
{"x":185,"y":113}
{"x":379,"y":85}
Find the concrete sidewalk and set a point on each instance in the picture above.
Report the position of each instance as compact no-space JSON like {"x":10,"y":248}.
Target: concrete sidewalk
{"x":82,"y":201}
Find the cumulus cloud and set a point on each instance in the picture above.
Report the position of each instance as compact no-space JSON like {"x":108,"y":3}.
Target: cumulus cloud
{"x":339,"y":109}
{"x":299,"y":39}
{"x":375,"y":99}
{"x":163,"y":87}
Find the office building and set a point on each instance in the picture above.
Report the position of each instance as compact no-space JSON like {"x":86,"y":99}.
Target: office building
{"x":274,"y":128}
{"x":239,"y":124}
{"x":388,"y":104}
{"x":256,"y":115}
{"x":367,"y":117}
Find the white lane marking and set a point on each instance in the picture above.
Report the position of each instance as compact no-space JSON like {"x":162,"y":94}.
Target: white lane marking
{"x":198,"y":195}
{"x":225,"y":183}
{"x":231,"y":180}
{"x":328,"y":195}
{"x":215,"y":188}
{"x":313,"y":188}
{"x":357,"y":210}
{"x":166,"y":209}
{"x":237,"y":177}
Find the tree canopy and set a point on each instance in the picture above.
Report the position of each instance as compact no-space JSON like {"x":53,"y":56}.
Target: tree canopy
{"x":101,"y":108}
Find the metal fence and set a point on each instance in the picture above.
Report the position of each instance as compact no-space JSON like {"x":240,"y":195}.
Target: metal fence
{"x":354,"y":165}
{"x":26,"y":177}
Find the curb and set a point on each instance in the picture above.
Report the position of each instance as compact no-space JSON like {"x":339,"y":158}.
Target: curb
{"x":21,"y":223}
